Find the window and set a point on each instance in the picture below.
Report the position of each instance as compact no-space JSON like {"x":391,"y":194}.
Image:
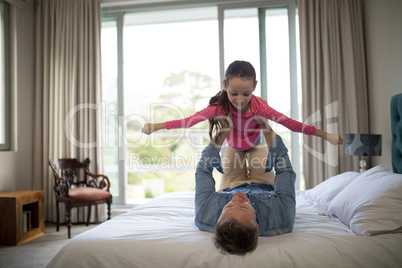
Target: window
{"x":4,"y":77}
{"x":165,"y":64}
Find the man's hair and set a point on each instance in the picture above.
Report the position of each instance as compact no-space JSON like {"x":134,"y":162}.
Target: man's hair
{"x":234,"y":238}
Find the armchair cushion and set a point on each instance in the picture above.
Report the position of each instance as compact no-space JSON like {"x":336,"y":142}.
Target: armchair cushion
{"x":87,"y":194}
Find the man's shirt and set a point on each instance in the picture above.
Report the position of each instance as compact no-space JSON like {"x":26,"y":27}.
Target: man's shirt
{"x":275,"y":207}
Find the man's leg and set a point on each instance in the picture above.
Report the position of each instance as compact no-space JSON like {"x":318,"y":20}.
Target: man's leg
{"x":257,"y":160}
{"x":235,"y":168}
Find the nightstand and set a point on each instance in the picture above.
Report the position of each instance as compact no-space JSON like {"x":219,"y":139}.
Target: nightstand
{"x":21,"y":216}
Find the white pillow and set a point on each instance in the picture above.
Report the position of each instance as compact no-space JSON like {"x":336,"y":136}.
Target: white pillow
{"x":322,"y":194}
{"x":371,"y":204}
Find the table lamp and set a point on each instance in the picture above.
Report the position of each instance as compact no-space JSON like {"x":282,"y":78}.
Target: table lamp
{"x":363,"y":145}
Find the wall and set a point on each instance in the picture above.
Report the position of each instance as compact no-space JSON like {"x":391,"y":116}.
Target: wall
{"x":16,"y":165}
{"x":383,"y":24}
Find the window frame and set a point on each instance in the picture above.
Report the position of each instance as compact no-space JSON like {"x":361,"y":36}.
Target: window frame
{"x":5,"y":47}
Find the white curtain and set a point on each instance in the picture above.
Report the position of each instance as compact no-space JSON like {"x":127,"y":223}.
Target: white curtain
{"x":68,"y":93}
{"x":334,"y":82}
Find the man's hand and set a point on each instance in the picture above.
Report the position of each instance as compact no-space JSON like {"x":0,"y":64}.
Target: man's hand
{"x":226,"y":124}
{"x":263,"y":123}
{"x":268,"y":132}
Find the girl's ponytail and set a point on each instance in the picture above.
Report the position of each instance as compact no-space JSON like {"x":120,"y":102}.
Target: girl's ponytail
{"x":219,"y":100}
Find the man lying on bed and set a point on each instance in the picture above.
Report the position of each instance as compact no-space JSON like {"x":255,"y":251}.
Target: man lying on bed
{"x":252,"y":208}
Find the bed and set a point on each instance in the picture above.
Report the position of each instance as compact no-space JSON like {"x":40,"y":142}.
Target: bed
{"x":349,"y":220}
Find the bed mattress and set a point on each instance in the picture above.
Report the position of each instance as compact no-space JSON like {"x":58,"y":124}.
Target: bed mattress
{"x":161,"y":233}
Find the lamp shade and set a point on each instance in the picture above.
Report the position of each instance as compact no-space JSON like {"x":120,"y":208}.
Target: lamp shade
{"x":363,"y":144}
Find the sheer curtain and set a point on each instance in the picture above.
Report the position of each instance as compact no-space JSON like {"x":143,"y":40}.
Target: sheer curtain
{"x":334,"y":82}
{"x":68,"y":92}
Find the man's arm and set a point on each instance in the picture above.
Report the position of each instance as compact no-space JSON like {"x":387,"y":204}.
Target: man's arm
{"x":278,"y":158}
{"x":210,"y":158}
{"x":204,"y":181}
{"x":284,"y":185}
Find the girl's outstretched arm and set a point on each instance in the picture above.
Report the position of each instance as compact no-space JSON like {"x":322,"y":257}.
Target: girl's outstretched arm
{"x":150,"y":128}
{"x":209,"y":112}
{"x":333,"y":138}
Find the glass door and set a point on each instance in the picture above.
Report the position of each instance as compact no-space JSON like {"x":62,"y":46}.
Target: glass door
{"x":110,"y":106}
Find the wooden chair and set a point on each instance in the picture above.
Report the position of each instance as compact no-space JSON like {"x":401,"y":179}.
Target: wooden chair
{"x":73,"y":192}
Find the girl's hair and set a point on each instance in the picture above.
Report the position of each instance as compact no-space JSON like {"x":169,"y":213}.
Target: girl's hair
{"x":241,"y":69}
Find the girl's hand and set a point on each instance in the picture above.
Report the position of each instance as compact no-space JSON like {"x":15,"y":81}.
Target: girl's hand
{"x":148,"y":128}
{"x":334,"y":138}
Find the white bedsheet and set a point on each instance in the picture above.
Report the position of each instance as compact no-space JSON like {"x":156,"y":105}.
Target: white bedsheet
{"x":161,"y":233}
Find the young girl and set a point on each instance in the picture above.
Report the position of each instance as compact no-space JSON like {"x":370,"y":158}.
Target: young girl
{"x":237,"y":99}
